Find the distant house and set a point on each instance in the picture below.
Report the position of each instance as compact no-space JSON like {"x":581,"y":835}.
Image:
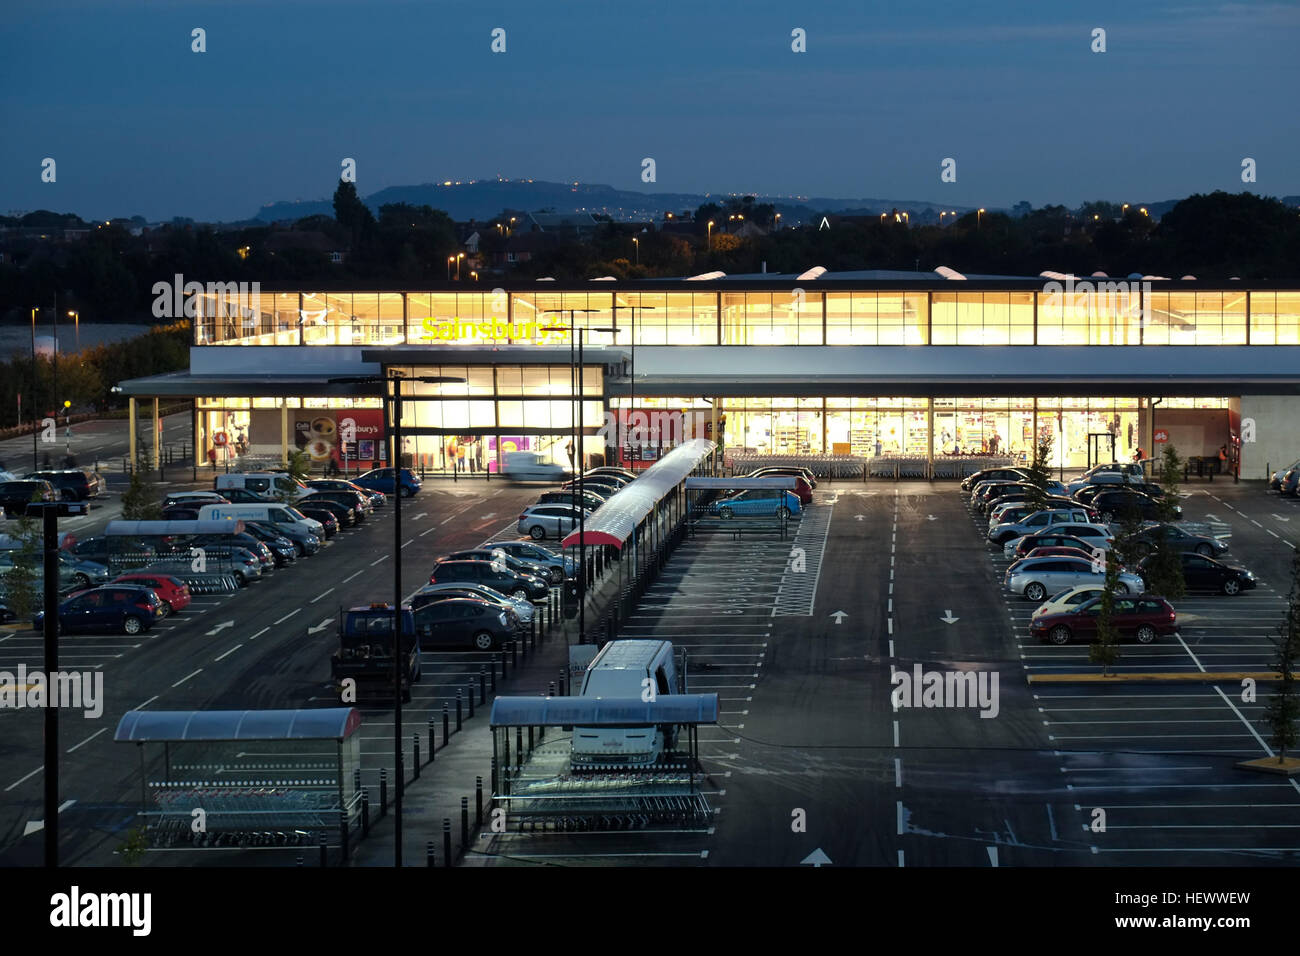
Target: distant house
{"x":308,"y":240}
{"x":574,"y":225}
{"x":523,"y":246}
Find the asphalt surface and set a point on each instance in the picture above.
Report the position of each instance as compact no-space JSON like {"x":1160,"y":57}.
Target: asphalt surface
{"x":810,"y":760}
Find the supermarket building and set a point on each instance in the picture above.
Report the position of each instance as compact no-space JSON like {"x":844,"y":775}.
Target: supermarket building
{"x":858,"y":364}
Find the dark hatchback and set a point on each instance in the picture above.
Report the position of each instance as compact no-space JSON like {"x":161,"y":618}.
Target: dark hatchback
{"x":1148,"y":539}
{"x":1143,"y":618}
{"x":15,"y":496}
{"x":72,"y":483}
{"x":465,"y":622}
{"x":1116,"y":504}
{"x":525,"y":586}
{"x":345,"y":515}
{"x":324,"y":516}
{"x":107,"y":609}
{"x":1206,"y":574}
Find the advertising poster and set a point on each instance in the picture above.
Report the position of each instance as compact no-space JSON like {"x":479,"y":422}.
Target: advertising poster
{"x":327,"y":436}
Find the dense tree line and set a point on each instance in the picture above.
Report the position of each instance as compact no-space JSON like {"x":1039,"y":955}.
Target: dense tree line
{"x":109,"y":275}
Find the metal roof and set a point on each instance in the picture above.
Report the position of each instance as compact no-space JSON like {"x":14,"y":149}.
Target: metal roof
{"x":740,"y":482}
{"x":321,"y":723}
{"x":215,"y":526}
{"x":604,"y":711}
{"x":618,"y":517}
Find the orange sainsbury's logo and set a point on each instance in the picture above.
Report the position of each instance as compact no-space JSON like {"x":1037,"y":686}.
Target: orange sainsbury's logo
{"x":459,"y":330}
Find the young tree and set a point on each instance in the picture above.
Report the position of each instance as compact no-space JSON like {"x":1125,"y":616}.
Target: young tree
{"x":22,"y":585}
{"x":1040,"y":472}
{"x":140,"y":500}
{"x":1105,"y":649}
{"x":299,"y":465}
{"x":1164,"y":572}
{"x":1283,"y":707}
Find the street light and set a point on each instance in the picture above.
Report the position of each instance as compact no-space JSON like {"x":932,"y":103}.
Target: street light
{"x":459,"y":256}
{"x":398,"y":630}
{"x":978,"y":215}
{"x":76,"y":316}
{"x":778,"y":220}
{"x":35,"y":404}
{"x":636,"y":243}
{"x":450,"y":260}
{"x":710,"y":235}
{"x":631,"y":401}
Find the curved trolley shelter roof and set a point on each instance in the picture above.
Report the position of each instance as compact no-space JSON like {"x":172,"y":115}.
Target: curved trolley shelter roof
{"x":170,"y":726}
{"x":618,"y":517}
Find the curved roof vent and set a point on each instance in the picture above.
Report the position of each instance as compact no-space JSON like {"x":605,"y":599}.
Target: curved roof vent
{"x":1099,"y":275}
{"x":546,"y":279}
{"x":1186,"y":278}
{"x":949,"y":273}
{"x":603,"y":279}
{"x":816,"y":272}
{"x":703,"y":276}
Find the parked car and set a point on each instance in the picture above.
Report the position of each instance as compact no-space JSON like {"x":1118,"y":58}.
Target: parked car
{"x":103,"y":549}
{"x":328,"y":522}
{"x":194,"y":499}
{"x":591,"y":500}
{"x":994,"y":474}
{"x":383,"y":479}
{"x":279,"y":485}
{"x":465,"y":622}
{"x":608,"y":485}
{"x":1093,"y":536}
{"x":999,"y":489}
{"x":69,"y":576}
{"x":346,"y":515}
{"x":1116,"y":505}
{"x":1147,"y":541}
{"x":805,"y":473}
{"x":282,"y":549}
{"x":304,"y":542}
{"x":501,"y":557}
{"x":377,"y":498}
{"x":1206,"y":574}
{"x":801,"y":489}
{"x":84,"y":573}
{"x":107,"y":609}
{"x":358,"y":501}
{"x":1275,"y":479}
{"x":525,"y":586}
{"x":1143,"y":617}
{"x":15,"y":496}
{"x":561,"y":566}
{"x":1050,"y":539}
{"x":180,"y":513}
{"x":1290,"y":483}
{"x":1039,"y":577}
{"x":73,"y":484}
{"x":771,"y":502}
{"x":548,"y":521}
{"x":1052,"y":552}
{"x":524,"y":609}
{"x":1110,"y":474}
{"x":1067,"y":599}
{"x":242,"y":496}
{"x":266,"y":555}
{"x":231,"y":559}
{"x":1016,"y":510}
{"x":1038,"y":521}
{"x":612,"y":470}
{"x":172,"y":591}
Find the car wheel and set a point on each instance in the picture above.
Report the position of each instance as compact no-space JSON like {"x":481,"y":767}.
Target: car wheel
{"x":556,"y":576}
{"x":1059,"y":635}
{"x":168,"y":610}
{"x":83,"y":580}
{"x":537,"y":532}
{"x":1205,"y":550}
{"x":1035,"y":591}
{"x":483,"y":641}
{"x":132,"y":625}
{"x":240,"y":580}
{"x":1146,"y":634}
{"x":1121,"y":588}
{"x":407,"y":492}
{"x":1107,"y":517}
{"x":1232,"y":586}
{"x":725,"y":512}
{"x":783,"y":512}
{"x":519,"y":594}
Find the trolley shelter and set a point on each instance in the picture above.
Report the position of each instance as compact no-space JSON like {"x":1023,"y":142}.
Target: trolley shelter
{"x":240,"y":778}
{"x":167,"y":547}
{"x":537,"y":783}
{"x":701,"y":493}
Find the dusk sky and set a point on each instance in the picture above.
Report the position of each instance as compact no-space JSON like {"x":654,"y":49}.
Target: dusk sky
{"x":139,"y":124}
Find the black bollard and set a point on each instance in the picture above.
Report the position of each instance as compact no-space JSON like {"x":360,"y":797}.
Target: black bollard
{"x":446,"y":841}
{"x":383,"y":792}
{"x":343,"y":836}
{"x":365,"y":813}
{"x":428,"y":854}
{"x":563,"y":692}
{"x":514,"y":653}
{"x":519,"y":743}
{"x":446,"y":726}
{"x":550,"y":689}
{"x":492,"y":676}
{"x":324,"y":852}
{"x":416,"y":738}
{"x":432,"y":744}
{"x":530,"y":740}
{"x":478,"y":802}
{"x":482,"y":684}
{"x":464,"y":824}
{"x":469,"y":692}
{"x":502,"y":656}
{"x":356,"y":780}
{"x":458,"y":711}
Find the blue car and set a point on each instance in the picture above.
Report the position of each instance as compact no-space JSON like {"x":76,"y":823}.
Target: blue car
{"x":381,"y":479}
{"x":114,"y":607}
{"x":773,"y":502}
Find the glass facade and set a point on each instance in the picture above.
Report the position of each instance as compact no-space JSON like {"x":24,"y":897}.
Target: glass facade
{"x":1103,"y":313}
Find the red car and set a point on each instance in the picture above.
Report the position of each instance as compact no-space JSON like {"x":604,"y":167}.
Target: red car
{"x":172,"y":592}
{"x":1144,"y":618}
{"x":1052,"y":539}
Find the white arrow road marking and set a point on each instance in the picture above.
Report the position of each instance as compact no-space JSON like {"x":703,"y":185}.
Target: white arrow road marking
{"x":839,"y":616}
{"x":1280,"y":518}
{"x":931,"y":518}
{"x":993,"y":854}
{"x":220,"y":627}
{"x":490,"y":514}
{"x":33,"y":826}
{"x":419,"y":516}
{"x":816,"y":858}
{"x":948,"y":618}
{"x":320,"y":627}
{"x":860,"y":517}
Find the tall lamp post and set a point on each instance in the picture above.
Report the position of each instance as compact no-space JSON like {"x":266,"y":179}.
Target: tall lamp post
{"x":76,"y":318}
{"x":392,"y":385}
{"x":631,"y":400}
{"x":36,"y":421}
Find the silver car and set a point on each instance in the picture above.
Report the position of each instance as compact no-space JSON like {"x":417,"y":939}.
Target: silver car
{"x":1097,"y":536}
{"x":526,"y":610}
{"x":548,"y":521}
{"x":1036,"y":578}
{"x":1038,"y":521}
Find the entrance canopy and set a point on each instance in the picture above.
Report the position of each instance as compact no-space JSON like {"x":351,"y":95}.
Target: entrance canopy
{"x":618,"y":517}
{"x":604,"y":711}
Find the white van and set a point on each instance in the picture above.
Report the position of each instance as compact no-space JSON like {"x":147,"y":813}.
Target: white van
{"x":622,"y":669}
{"x":272,"y":484}
{"x":528,"y":466}
{"x":275,"y":515}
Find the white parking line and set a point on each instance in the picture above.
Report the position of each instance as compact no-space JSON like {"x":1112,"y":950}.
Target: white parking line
{"x":187,"y":677}
{"x":287,"y":616}
{"x":231,"y":651}
{"x":87,"y":740}
{"x":319,"y":596}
